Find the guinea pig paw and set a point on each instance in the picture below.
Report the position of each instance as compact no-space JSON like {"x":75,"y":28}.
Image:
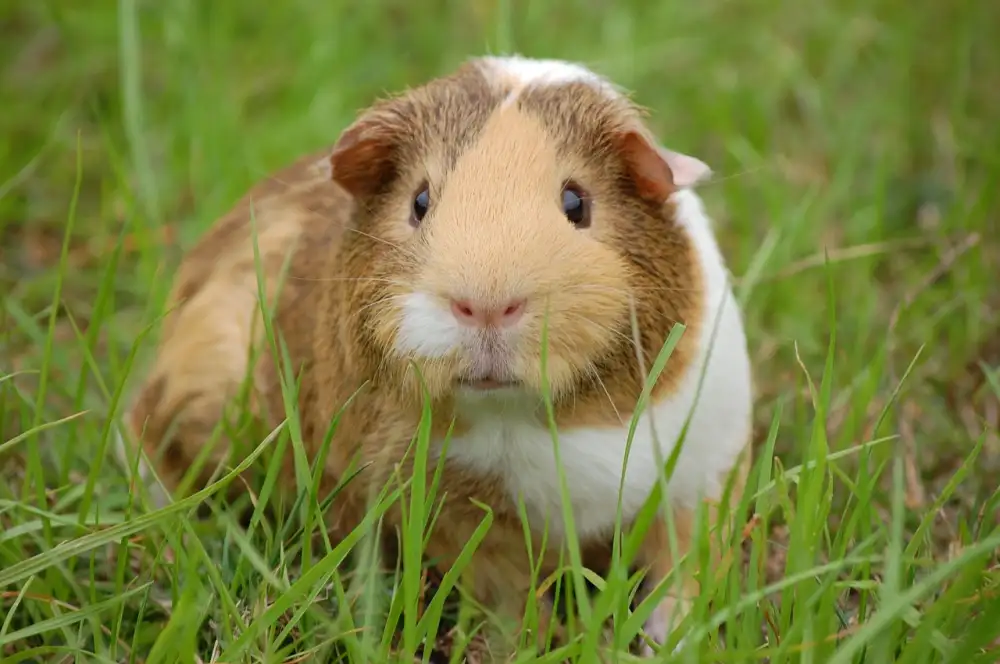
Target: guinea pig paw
{"x":657,"y":630}
{"x":158,"y":498}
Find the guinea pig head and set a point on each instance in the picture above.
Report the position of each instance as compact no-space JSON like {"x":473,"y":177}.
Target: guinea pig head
{"x":513,"y":205}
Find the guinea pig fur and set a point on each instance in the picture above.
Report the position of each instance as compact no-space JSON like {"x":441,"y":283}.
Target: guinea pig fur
{"x":447,"y":227}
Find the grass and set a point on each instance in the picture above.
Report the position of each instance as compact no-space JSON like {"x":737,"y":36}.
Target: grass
{"x":855,"y":151}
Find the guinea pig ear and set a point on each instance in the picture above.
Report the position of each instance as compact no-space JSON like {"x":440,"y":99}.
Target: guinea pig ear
{"x":363,"y":158}
{"x":688,"y":171}
{"x":657,"y":171}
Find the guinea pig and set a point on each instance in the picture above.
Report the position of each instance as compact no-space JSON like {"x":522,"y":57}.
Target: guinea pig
{"x":423,"y":260}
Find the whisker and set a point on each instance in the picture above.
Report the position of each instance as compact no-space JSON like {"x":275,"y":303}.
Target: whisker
{"x":356,"y":314}
{"x":738,"y":174}
{"x":631,"y":289}
{"x":605,"y":328}
{"x":381,"y":280}
{"x":345,"y":221}
{"x":597,"y":377}
{"x":401,"y":249}
{"x":590,"y":371}
{"x":378,"y":301}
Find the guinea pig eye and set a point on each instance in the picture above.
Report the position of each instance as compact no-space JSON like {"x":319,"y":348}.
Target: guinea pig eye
{"x":420,"y":204}
{"x":576,"y":206}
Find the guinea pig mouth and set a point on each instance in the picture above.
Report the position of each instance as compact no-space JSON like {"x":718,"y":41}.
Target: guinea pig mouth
{"x":488,"y":368}
{"x":486,"y":383}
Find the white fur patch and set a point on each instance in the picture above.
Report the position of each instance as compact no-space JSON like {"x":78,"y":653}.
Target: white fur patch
{"x":124,"y":455}
{"x":427,"y":329}
{"x":532,"y":71}
{"x":512,"y":443}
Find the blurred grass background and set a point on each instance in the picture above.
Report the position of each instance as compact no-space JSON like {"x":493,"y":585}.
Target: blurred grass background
{"x":865,"y":134}
{"x":867,"y":130}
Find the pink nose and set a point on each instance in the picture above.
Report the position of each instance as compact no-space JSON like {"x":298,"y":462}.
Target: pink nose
{"x":472,"y":314}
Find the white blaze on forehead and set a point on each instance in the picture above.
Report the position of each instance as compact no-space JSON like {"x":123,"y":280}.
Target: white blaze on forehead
{"x":526,"y":72}
{"x":529,"y":70}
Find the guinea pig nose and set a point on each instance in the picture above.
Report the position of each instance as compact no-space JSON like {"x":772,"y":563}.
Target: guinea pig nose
{"x":474,"y":314}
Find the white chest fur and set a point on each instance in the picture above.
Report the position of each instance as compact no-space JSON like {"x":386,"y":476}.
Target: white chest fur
{"x":517,"y":445}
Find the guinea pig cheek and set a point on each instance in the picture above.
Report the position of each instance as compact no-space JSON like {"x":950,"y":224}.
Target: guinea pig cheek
{"x":584,"y":315}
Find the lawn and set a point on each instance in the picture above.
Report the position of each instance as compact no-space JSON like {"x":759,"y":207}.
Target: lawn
{"x":856,"y":150}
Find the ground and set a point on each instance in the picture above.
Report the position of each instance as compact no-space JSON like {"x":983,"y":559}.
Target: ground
{"x":855,"y":154}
